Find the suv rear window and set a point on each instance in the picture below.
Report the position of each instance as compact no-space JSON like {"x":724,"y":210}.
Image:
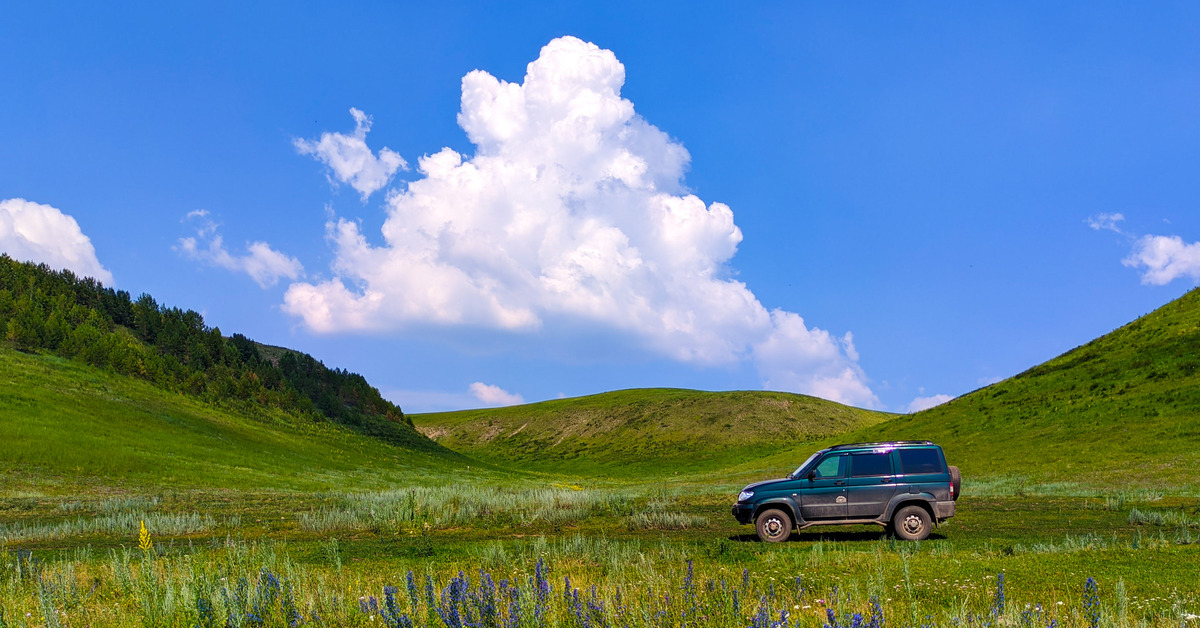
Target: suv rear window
{"x":865,"y":465}
{"x":920,"y":461}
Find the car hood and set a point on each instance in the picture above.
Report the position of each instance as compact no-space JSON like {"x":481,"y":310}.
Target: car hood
{"x":751,"y":487}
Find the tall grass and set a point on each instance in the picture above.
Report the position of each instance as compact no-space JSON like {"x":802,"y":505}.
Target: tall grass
{"x":661,"y":515}
{"x":119,"y":524}
{"x":1014,"y":485}
{"x":443,"y":506}
{"x":575,"y":581}
{"x":1174,"y":518}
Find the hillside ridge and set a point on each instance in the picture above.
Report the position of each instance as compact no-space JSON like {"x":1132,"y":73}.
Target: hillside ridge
{"x":639,"y":427}
{"x":1123,"y":408}
{"x":78,"y":318}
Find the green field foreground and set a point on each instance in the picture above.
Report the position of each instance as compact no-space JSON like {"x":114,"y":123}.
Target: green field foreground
{"x":323,"y":557}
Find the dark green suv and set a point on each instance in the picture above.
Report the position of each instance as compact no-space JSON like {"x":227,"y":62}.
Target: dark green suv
{"x":906,"y":485}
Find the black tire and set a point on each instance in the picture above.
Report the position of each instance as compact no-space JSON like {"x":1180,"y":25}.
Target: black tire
{"x":912,"y":523}
{"x":773,"y":526}
{"x":956,"y":482}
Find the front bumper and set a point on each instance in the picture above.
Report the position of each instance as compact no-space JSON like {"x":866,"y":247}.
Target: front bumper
{"x":743,"y":513}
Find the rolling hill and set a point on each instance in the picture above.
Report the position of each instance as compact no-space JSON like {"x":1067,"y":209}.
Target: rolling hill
{"x":1121,"y":410}
{"x":68,"y":427}
{"x":640,"y":429}
{"x":74,"y":317}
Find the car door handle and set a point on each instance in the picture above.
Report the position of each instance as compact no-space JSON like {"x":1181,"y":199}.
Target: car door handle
{"x":886,"y":480}
{"x":840,"y":483}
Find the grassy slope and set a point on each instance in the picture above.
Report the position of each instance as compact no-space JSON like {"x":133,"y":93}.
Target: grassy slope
{"x":1121,"y":410}
{"x":642,"y":429}
{"x":66,"y":426}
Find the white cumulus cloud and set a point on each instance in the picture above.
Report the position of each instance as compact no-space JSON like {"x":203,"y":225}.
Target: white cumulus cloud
{"x":925,"y":403}
{"x":571,"y":214}
{"x":265,"y":265}
{"x":1164,"y":259}
{"x":350,"y":160}
{"x":495,"y":395}
{"x":33,"y":232}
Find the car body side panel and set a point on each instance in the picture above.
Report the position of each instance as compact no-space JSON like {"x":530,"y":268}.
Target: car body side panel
{"x":823,"y":499}
{"x":869,"y":497}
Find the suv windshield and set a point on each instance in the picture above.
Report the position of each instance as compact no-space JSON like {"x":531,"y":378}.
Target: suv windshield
{"x":795,"y":474}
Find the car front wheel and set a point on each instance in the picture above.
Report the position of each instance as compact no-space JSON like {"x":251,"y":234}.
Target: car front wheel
{"x":773,"y":526}
{"x":911,"y":523}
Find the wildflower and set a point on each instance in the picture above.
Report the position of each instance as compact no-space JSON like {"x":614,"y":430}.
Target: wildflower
{"x":144,"y":542}
{"x":1091,"y":602}
{"x":999,"y":599}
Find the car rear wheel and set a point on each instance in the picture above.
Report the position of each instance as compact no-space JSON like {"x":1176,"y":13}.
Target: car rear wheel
{"x":912,"y":523}
{"x":773,"y":526}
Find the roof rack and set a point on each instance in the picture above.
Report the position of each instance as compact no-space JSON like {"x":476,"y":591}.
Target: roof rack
{"x":883,"y":444}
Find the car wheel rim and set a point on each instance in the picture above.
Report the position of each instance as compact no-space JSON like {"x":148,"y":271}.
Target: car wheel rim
{"x":773,"y":527}
{"x":913,"y":524}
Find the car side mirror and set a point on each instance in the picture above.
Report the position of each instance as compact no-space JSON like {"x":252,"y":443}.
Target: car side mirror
{"x":812,"y":475}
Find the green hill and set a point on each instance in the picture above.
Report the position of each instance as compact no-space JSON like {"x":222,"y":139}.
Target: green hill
{"x":76,"y":317}
{"x":642,"y":429}
{"x":69,"y":427}
{"x":1122,"y":410}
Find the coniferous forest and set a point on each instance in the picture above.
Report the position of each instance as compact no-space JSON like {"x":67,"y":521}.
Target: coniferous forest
{"x":78,"y":318}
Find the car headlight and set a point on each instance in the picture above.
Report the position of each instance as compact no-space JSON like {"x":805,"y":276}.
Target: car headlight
{"x":745,"y":495}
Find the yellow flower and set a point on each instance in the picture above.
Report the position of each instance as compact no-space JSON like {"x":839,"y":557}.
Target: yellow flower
{"x":144,"y":541}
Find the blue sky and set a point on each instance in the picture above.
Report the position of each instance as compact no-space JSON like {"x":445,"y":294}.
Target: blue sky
{"x":882,"y":204}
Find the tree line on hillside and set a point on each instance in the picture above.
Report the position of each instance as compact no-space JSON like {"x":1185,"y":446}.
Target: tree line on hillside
{"x":78,"y":318}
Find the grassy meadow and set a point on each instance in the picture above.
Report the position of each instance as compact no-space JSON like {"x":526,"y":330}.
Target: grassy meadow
{"x":1079,"y":506}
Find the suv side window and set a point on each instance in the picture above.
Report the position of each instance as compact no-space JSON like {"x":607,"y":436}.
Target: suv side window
{"x":920,"y":461}
{"x":831,"y":467}
{"x":872,"y":464}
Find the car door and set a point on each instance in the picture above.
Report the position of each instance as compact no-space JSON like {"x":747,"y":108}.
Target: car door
{"x":871,"y":485}
{"x":823,"y":494}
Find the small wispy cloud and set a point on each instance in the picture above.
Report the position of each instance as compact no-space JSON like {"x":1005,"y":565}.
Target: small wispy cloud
{"x":495,"y":395}
{"x":262,"y":263}
{"x":350,"y":160}
{"x":1107,"y":222}
{"x":925,"y":403}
